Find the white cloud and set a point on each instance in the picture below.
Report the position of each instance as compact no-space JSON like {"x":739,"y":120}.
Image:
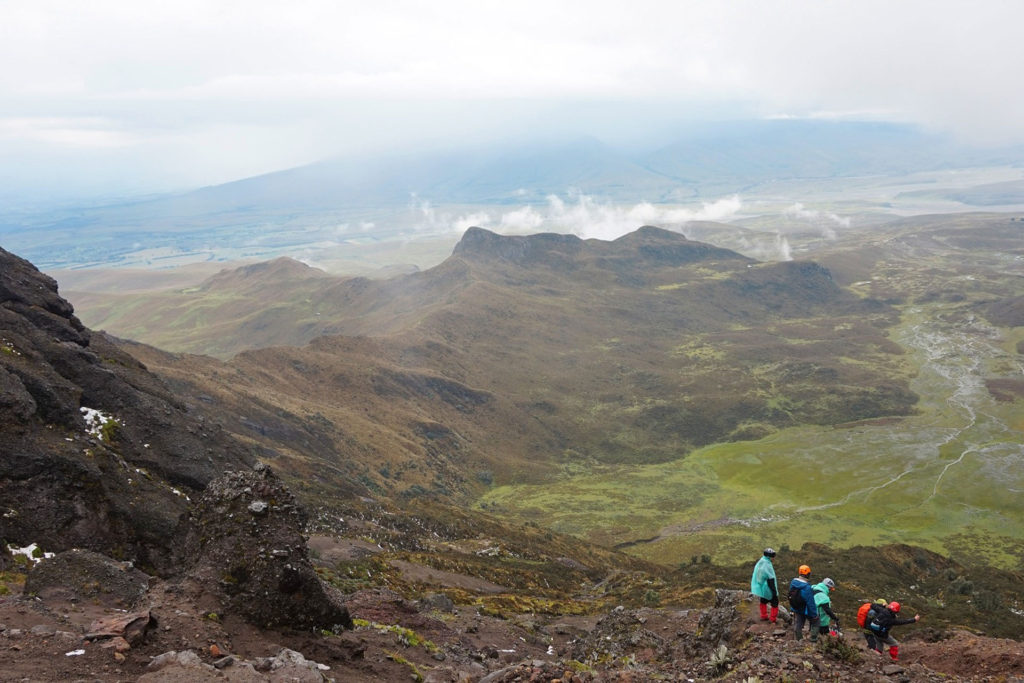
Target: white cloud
{"x":587,"y":217}
{"x":201,"y":91}
{"x":71,"y":132}
{"x":823,"y":220}
{"x":463,"y":223}
{"x":521,"y":220}
{"x":582,"y":215}
{"x":764,"y":247}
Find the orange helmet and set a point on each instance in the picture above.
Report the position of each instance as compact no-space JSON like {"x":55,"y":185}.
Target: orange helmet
{"x":894,"y":606}
{"x":804,"y":570}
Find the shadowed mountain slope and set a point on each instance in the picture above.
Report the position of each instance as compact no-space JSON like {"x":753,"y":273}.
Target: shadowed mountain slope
{"x":97,"y":452}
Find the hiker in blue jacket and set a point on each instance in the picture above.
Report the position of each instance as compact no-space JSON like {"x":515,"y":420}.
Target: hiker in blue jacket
{"x":762,"y":584}
{"x":801,"y":599}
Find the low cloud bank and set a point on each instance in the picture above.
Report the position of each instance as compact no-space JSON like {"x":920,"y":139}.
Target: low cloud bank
{"x":823,"y":220}
{"x":579,"y":214}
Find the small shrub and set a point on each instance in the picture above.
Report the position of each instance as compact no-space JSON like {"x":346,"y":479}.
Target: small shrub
{"x":987,"y":601}
{"x":109,"y":430}
{"x":720,"y":659}
{"x":838,"y":648}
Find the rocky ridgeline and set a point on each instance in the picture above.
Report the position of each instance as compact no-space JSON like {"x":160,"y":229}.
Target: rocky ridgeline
{"x":97,"y":452}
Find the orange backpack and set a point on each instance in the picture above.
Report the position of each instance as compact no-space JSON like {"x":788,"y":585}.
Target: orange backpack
{"x":862,"y":614}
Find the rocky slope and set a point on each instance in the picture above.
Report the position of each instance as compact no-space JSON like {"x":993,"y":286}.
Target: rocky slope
{"x":97,"y":452}
{"x":415,"y":623}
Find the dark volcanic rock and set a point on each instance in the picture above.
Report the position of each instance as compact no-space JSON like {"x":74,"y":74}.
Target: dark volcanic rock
{"x":617,"y":634}
{"x":248,"y":549}
{"x":85,"y":574}
{"x":119,"y":490}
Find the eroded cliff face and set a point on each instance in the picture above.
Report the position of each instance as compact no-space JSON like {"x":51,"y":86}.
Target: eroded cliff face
{"x":97,"y":453}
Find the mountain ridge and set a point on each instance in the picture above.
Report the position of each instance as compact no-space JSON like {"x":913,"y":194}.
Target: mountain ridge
{"x":587,"y":347}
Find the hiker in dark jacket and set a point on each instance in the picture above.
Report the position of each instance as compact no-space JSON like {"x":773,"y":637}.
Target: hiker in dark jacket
{"x":884,"y":620}
{"x":801,"y":599}
{"x":869,"y":635}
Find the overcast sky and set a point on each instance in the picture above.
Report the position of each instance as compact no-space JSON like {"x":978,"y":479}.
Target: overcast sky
{"x":137,"y":95}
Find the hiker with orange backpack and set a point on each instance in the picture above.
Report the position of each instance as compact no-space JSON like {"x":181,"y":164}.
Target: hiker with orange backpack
{"x":884,"y":620}
{"x":801,"y":599}
{"x":865,"y":615}
{"x":762,"y":584}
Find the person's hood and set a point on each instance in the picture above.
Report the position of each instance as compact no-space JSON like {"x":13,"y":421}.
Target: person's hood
{"x":820,"y":588}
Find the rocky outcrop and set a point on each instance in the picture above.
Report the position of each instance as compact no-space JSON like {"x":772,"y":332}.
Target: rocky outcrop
{"x":97,"y":452}
{"x":83,"y":574}
{"x":246,"y":539}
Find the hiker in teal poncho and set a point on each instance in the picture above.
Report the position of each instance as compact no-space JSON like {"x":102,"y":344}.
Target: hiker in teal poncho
{"x":762,"y":584}
{"x":824,"y":603}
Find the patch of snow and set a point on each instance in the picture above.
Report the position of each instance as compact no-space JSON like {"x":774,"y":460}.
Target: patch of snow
{"x":94,"y":421}
{"x":29,"y":552}
{"x":1018,"y":612}
{"x":9,"y":347}
{"x":74,"y":653}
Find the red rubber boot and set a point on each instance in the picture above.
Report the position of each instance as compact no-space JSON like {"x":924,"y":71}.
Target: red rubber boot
{"x":764,"y":611}
{"x":775,"y":615}
{"x":894,"y":652}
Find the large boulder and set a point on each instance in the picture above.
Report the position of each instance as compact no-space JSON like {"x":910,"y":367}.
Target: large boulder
{"x":248,"y":549}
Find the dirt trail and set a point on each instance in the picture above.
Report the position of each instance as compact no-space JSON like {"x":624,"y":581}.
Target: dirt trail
{"x":400,"y":640}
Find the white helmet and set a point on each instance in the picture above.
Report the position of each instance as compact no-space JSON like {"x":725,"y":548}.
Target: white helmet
{"x":829,"y":582}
